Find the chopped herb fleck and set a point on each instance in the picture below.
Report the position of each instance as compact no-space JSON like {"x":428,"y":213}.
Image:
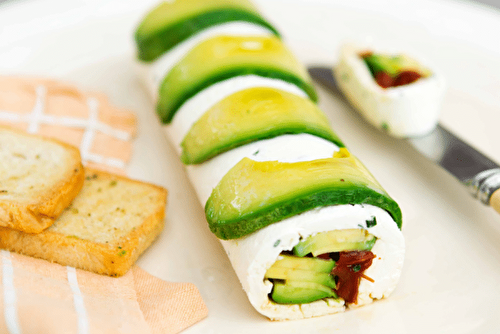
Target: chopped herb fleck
{"x":19,"y":155}
{"x":113,"y":183}
{"x":74,"y":210}
{"x":277,"y":243}
{"x":3,"y":191}
{"x":119,"y":247}
{"x":372,"y":222}
{"x":356,"y":268}
{"x":256,"y":152}
{"x":385,"y":126}
{"x":94,"y":176}
{"x":122,"y":253}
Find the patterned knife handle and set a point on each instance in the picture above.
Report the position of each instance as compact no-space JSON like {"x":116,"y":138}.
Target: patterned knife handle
{"x":485,"y":186}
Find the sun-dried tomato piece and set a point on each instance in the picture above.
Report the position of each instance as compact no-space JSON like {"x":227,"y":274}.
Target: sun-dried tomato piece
{"x":406,"y":77}
{"x":349,"y":269}
{"x":383,"y":79}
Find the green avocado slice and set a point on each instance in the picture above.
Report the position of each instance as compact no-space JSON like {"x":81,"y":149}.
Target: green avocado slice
{"x":304,"y":263}
{"x":255,"y":194}
{"x":223,"y":57}
{"x":172,"y":22}
{"x":296,"y":292}
{"x":249,"y":115}
{"x":301,"y":275}
{"x":335,"y":241}
{"x":393,"y":65}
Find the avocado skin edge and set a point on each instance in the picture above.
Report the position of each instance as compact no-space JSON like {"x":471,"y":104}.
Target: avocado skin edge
{"x":246,"y":224}
{"x":261,"y":136}
{"x":152,"y":46}
{"x":167,"y":112}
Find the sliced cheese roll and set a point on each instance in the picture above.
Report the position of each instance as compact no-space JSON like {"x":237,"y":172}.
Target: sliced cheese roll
{"x":307,"y":228}
{"x":172,"y":22}
{"x":394,"y":93}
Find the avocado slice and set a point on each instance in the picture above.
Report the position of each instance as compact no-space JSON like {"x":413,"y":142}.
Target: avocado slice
{"x":255,"y":194}
{"x":335,"y":241}
{"x":393,"y":65}
{"x":294,"y":292}
{"x":172,"y":22}
{"x":299,"y":275}
{"x":307,"y":269}
{"x":304,"y":263}
{"x":249,"y":115}
{"x":223,"y":57}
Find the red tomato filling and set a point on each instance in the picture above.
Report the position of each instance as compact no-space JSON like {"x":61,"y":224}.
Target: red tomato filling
{"x":384,"y":80}
{"x":349,"y":270}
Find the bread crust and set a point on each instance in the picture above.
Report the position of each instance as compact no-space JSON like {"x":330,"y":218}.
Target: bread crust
{"x":40,"y":213}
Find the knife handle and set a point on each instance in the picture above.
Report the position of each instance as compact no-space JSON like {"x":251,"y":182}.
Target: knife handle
{"x":485,"y":186}
{"x":495,"y":200}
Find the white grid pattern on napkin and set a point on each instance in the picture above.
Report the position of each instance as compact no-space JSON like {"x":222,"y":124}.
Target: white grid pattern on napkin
{"x":90,"y":126}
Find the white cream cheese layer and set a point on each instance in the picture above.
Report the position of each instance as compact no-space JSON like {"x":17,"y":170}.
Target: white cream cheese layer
{"x":155,"y":72}
{"x":403,"y":111}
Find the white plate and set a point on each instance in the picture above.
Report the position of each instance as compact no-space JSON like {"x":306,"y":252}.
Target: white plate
{"x":449,"y":283}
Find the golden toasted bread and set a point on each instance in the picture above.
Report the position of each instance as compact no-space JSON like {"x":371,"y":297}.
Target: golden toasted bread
{"x":108,"y":225}
{"x":39,"y":177}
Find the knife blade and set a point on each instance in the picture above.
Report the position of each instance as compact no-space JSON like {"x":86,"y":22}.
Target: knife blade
{"x":473,"y":169}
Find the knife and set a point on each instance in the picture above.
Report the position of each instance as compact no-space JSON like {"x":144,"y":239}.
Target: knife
{"x":472,"y":168}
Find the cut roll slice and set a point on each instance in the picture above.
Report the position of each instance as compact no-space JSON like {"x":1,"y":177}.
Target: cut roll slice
{"x":224,"y":57}
{"x":250,"y":115}
{"x":402,"y":111}
{"x":255,"y":194}
{"x":172,"y":22}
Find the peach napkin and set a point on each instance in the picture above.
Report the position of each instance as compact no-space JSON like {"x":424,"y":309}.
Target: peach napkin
{"x":41,"y":297}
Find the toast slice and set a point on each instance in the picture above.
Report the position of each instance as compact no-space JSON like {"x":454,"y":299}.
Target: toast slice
{"x":108,"y":225}
{"x":39,"y":177}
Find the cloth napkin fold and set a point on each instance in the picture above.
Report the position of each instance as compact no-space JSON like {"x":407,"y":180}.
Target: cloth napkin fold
{"x":46,"y":298}
{"x":41,"y":297}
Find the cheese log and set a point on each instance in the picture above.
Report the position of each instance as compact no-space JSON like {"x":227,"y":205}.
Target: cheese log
{"x":253,"y":254}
